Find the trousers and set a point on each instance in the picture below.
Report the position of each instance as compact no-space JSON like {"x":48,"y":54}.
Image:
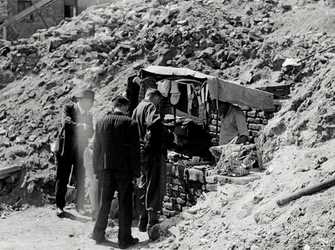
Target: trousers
{"x":150,"y":185}
{"x":65,"y":164}
{"x":109,"y":183}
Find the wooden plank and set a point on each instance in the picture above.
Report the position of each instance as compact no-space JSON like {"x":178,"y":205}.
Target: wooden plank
{"x":26,"y":12}
{"x":4,"y":172}
{"x":279,"y":91}
{"x":307,"y":191}
{"x":228,"y":91}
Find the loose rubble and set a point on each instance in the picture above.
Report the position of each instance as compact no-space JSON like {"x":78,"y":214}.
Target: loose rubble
{"x":246,"y":41}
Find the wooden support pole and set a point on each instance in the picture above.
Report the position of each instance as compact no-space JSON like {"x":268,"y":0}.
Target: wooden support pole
{"x":307,"y":191}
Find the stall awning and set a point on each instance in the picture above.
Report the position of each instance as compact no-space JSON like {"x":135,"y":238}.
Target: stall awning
{"x":224,"y":90}
{"x":172,"y":71}
{"x":228,"y":91}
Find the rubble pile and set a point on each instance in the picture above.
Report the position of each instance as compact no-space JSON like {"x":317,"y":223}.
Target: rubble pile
{"x":103,"y":46}
{"x":258,"y":43}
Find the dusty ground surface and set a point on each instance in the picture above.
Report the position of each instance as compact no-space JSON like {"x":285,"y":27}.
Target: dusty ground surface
{"x":40,"y":228}
{"x":242,"y":40}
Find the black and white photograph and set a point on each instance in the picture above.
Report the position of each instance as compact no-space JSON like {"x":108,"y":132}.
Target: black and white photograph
{"x":167,"y":124}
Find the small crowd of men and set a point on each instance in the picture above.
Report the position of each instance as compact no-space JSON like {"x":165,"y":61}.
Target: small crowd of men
{"x":128,"y":152}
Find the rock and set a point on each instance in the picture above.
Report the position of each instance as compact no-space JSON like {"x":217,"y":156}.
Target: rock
{"x":207,"y":52}
{"x":183,"y":22}
{"x":258,"y":198}
{"x":17,"y":151}
{"x":6,"y":76}
{"x":20,"y":140}
{"x":51,"y":85}
{"x":278,"y":62}
{"x":167,"y":54}
{"x":286,"y":7}
{"x":54,"y":43}
{"x":188,"y":51}
{"x":3,"y":131}
{"x":246,"y":77}
{"x":151,"y":57}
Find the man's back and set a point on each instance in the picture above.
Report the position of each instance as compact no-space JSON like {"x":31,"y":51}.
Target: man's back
{"x":116,"y":145}
{"x":145,"y":115}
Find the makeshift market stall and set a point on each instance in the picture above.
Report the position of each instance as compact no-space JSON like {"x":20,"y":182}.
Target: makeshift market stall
{"x":190,"y":100}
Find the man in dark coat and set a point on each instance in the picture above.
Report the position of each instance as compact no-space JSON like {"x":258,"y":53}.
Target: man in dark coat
{"x":116,"y":160}
{"x":77,"y":129}
{"x":150,"y":131}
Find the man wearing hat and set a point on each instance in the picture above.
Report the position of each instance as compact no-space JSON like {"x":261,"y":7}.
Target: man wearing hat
{"x":77,"y":129}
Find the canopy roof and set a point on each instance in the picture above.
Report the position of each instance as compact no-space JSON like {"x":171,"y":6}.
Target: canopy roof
{"x":223,"y":90}
{"x":172,"y":72}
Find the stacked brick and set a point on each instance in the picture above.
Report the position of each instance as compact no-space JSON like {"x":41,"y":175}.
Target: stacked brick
{"x":180,"y":192}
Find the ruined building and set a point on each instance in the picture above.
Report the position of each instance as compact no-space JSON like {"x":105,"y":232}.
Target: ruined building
{"x":21,"y":18}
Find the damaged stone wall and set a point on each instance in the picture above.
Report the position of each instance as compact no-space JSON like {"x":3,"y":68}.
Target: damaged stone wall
{"x":181,"y":189}
{"x":51,"y":14}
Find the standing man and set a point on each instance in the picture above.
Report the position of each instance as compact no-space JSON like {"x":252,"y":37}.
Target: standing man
{"x":116,"y":160}
{"x":233,"y":124}
{"x":233,"y":128}
{"x":77,"y":129}
{"x":150,"y":131}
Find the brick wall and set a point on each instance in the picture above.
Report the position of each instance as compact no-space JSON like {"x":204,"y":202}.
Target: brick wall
{"x":256,"y":120}
{"x":3,"y":10}
{"x":180,"y":191}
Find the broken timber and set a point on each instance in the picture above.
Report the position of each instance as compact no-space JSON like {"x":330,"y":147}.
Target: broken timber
{"x":4,"y":172}
{"x":307,"y":191}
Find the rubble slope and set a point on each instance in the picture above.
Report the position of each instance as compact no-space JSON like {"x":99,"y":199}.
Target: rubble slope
{"x":242,"y":40}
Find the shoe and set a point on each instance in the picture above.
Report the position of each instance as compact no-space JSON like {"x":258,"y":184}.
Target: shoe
{"x":154,"y":232}
{"x":131,"y":242}
{"x":99,"y":238}
{"x":60,"y":212}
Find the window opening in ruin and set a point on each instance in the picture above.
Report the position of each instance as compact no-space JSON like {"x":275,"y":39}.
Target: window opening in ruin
{"x":68,"y":11}
{"x":24,"y":4}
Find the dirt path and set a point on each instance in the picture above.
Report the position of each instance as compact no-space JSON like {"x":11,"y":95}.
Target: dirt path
{"x":40,"y":228}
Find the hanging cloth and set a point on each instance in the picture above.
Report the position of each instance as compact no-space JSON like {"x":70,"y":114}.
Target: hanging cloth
{"x":175,"y":93}
{"x":164,"y":87}
{"x":190,"y":96}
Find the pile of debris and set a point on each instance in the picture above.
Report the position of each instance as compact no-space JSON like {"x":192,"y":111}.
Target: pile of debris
{"x":103,"y":46}
{"x":106,"y":44}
